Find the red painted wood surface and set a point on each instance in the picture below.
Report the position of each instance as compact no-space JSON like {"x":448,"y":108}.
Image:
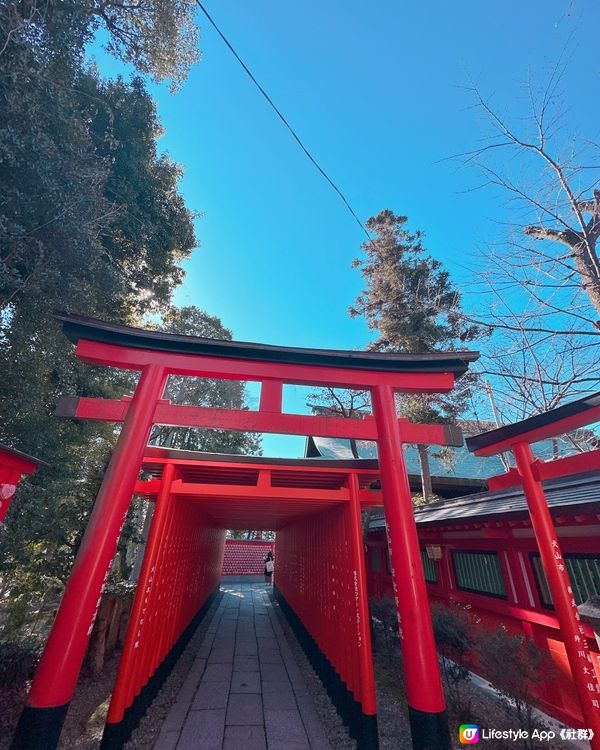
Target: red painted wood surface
{"x":67,"y":643}
{"x":264,"y":420}
{"x":559,"y":427}
{"x":315,"y":573}
{"x":182,"y":567}
{"x":518,"y":439}
{"x":522,"y":612}
{"x":13,"y":466}
{"x":419,"y":653}
{"x":111,"y":355}
{"x":573,"y":631}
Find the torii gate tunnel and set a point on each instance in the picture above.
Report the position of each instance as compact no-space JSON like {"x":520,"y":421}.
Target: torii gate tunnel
{"x":315,"y":510}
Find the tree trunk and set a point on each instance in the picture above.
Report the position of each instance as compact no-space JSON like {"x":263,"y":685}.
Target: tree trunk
{"x":141,"y":547}
{"x":97,"y":647}
{"x":366,"y":522}
{"x":586,"y":262}
{"x":582,"y":245}
{"x":425,"y":472}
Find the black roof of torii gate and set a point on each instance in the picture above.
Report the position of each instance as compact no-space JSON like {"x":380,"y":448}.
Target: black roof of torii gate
{"x":81,"y":327}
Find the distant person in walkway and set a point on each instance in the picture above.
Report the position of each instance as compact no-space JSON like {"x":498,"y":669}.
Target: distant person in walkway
{"x":269,"y":567}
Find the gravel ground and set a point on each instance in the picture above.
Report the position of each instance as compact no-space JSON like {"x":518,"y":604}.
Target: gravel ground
{"x":392,"y":714}
{"x":11,"y":703}
{"x":87,"y":713}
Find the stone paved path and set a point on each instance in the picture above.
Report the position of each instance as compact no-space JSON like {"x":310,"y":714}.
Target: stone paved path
{"x":244,"y":691}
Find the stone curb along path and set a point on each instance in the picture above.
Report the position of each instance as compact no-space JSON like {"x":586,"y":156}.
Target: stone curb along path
{"x":244,"y":690}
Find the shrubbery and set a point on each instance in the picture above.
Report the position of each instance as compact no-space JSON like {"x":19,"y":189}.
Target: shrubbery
{"x":452,"y":627}
{"x":383,"y":612}
{"x":18,"y":660}
{"x":515,"y":666}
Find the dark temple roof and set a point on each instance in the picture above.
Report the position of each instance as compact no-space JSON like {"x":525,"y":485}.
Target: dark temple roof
{"x":567,"y":494}
{"x":464,"y":465}
{"x":80,"y":327}
{"x":20,"y":454}
{"x":154,"y":451}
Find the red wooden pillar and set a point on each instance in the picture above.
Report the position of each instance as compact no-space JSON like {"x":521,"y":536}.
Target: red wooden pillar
{"x":559,"y":583}
{"x":363,"y":624}
{"x":424,"y":692}
{"x":42,"y":719}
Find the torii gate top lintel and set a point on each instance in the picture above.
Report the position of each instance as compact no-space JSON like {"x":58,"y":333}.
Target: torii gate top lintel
{"x":112,"y":344}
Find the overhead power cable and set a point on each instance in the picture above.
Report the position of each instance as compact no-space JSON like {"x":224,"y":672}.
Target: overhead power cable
{"x":283,"y":119}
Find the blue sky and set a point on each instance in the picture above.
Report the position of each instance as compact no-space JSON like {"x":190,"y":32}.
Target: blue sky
{"x":376,"y":93}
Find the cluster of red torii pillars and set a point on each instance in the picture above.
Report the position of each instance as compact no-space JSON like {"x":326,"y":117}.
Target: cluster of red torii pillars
{"x":158,"y":355}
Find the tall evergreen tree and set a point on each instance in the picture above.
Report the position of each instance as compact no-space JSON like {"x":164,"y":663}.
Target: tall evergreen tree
{"x":158,"y":37}
{"x":411,"y":302}
{"x":91,"y":221}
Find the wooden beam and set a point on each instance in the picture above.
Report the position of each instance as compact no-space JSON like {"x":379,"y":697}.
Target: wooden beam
{"x":107,"y":410}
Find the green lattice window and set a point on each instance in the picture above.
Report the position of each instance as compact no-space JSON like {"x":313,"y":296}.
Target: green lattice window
{"x":479,"y":572}
{"x":584,"y":572}
{"x":428,"y":567}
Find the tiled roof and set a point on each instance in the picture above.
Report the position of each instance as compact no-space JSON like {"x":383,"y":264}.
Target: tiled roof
{"x":568,"y":493}
{"x":464,"y":465}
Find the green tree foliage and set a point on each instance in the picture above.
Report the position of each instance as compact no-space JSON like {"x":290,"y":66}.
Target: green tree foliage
{"x":91,"y":217}
{"x":158,"y":37}
{"x":266,"y":536}
{"x":411,"y":302}
{"x":228,"y":394}
{"x":90,"y":214}
{"x":91,"y":221}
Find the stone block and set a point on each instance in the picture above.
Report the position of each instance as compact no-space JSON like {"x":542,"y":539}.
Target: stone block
{"x":244,"y":709}
{"x":245,"y":682}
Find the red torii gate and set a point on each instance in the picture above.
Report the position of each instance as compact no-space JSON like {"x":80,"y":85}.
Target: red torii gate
{"x":13,"y":465}
{"x":530,"y":472}
{"x":156,"y":356}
